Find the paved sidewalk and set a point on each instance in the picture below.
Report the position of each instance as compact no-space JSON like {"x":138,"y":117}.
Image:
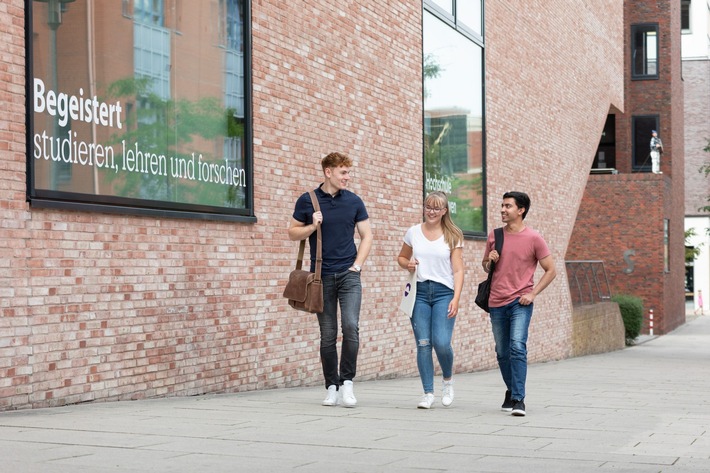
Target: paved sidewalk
{"x":641,"y":409}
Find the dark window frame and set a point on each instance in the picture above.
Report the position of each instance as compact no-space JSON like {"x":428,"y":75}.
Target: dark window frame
{"x":643,"y":74}
{"x":685,"y":16}
{"x":451,"y":20}
{"x":467,"y":32}
{"x":643,"y":142}
{"x":607,"y":144}
{"x":666,"y":245}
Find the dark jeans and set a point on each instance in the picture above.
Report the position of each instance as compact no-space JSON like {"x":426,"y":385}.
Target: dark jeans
{"x":344,"y":289}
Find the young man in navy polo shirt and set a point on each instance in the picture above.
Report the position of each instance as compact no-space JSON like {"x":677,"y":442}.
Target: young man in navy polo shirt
{"x":341,"y":213}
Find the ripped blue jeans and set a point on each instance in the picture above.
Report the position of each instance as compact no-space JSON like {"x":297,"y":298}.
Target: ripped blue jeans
{"x":433,"y":329}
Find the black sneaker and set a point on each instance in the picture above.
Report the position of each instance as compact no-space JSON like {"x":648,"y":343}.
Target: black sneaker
{"x":518,"y":408}
{"x":507,"y":403}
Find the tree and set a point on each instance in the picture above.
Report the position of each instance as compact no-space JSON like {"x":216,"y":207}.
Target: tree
{"x":175,"y":128}
{"x":691,"y":252}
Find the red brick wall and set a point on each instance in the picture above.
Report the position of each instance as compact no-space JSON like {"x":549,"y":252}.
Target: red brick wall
{"x":627,"y":211}
{"x":107,"y":307}
{"x":674,"y":293}
{"x":546,"y":105}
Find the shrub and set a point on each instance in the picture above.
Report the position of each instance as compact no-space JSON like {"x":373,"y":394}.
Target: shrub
{"x":631,"y":308}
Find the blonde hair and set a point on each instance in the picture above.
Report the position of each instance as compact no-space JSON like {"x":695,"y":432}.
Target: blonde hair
{"x":452,"y":234}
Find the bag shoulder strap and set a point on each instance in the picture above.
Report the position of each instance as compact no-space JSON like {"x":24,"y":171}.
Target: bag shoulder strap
{"x":319,"y":244}
{"x":499,"y":236}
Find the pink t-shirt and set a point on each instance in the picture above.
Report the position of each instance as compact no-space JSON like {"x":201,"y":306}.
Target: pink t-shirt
{"x":514,"y":271}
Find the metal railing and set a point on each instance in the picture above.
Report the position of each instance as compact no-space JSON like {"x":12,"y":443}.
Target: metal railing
{"x":588,"y":283}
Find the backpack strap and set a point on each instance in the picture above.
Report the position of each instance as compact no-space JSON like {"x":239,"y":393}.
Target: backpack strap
{"x":499,"y":236}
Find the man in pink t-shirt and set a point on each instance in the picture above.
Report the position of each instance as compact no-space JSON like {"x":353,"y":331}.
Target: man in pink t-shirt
{"x":512,"y":294}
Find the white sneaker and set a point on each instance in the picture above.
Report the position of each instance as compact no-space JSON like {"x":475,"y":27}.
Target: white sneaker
{"x":447,"y":395}
{"x":348,"y":395}
{"x":332,"y":398}
{"x":426,"y":402}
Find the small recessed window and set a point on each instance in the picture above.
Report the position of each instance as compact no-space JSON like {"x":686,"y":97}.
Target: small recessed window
{"x":685,"y":16}
{"x":666,"y":252}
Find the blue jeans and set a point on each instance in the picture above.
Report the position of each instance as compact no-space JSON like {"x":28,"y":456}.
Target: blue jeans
{"x":343,"y":288}
{"x":510,"y":325}
{"x":432,"y":327}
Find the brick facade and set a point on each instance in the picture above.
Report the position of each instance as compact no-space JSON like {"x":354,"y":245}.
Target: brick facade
{"x":111,"y":307}
{"x":620,"y":223}
{"x":626,"y":211}
{"x":696,"y":79}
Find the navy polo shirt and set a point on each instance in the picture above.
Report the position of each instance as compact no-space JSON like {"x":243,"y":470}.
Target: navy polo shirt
{"x":340,"y":215}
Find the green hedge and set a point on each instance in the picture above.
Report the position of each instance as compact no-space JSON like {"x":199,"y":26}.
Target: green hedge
{"x":631,"y":308}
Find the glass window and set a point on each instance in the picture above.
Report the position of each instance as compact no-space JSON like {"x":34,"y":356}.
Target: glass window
{"x":642,"y":126}
{"x":149,"y":12}
{"x":446,"y":5}
{"x":666,"y":252}
{"x":685,"y":16}
{"x":468,"y":12}
{"x":129,"y":122}
{"x":453,"y":121}
{"x":606,"y":152}
{"x":644,"y":51}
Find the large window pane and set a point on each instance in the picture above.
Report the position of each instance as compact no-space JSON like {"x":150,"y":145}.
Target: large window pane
{"x":453,"y":121}
{"x":134,"y":106}
{"x":644,"y":51}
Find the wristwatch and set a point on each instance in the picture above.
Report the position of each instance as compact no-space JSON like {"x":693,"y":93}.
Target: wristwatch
{"x":357,"y":267}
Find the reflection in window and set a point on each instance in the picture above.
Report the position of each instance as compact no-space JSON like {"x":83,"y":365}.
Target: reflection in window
{"x":453,"y":121}
{"x":234,"y":86}
{"x":644,"y":51}
{"x":234,"y":25}
{"x":64,"y":170}
{"x":149,"y":12}
{"x":151,"y":46}
{"x":149,"y":129}
{"x":151,"y":60}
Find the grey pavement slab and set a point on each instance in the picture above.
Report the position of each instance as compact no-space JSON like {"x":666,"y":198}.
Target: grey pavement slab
{"x":641,"y":409}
